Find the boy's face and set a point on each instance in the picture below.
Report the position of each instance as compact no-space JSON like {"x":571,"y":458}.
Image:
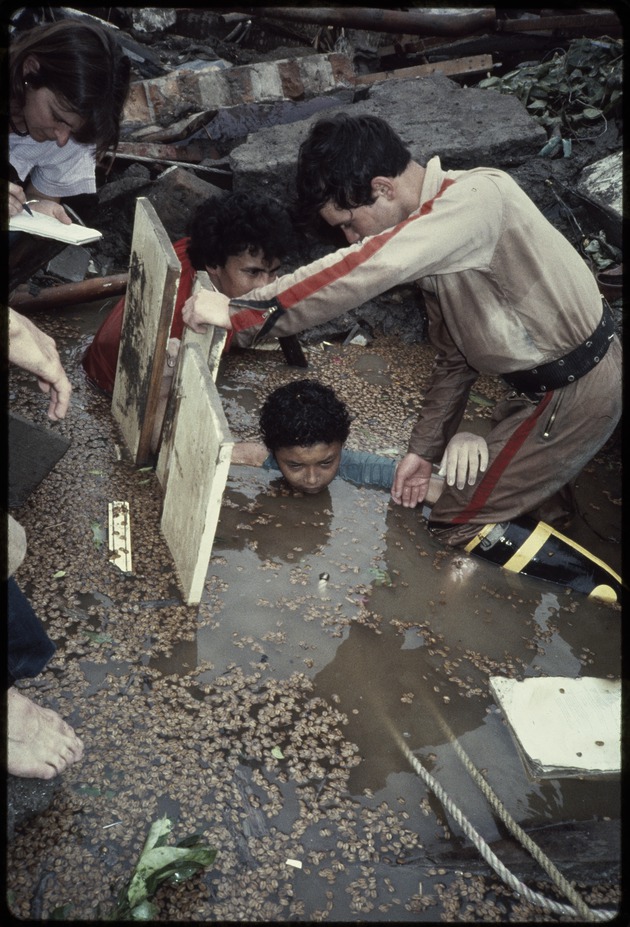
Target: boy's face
{"x":242,"y":273}
{"x":309,"y":469}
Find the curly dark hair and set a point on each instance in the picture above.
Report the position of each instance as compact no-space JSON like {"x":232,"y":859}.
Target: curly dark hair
{"x":303,"y":413}
{"x":340,"y":156}
{"x":228,"y":224}
{"x":84,"y":65}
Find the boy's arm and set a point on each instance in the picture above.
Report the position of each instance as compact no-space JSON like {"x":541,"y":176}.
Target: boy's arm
{"x":249,"y":453}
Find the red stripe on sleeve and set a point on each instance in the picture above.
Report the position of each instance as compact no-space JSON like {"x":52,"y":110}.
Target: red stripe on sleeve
{"x":305,"y":288}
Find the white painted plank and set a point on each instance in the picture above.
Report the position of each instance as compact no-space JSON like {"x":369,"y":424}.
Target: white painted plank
{"x":562,"y":726}
{"x":120,"y":535}
{"x":197,"y":472}
{"x":211,"y":343}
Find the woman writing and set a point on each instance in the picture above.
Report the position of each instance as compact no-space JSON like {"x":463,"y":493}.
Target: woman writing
{"x":68,"y":82}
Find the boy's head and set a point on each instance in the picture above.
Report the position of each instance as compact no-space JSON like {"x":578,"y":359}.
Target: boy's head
{"x":240,"y":239}
{"x":305,"y":426}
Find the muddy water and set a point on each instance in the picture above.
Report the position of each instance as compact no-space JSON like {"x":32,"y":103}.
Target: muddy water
{"x":268,"y":717}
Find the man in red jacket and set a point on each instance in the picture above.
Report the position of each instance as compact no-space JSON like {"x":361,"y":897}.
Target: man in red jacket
{"x":239,"y":239}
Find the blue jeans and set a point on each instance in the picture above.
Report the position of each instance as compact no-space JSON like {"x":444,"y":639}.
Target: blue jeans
{"x":28,"y":646}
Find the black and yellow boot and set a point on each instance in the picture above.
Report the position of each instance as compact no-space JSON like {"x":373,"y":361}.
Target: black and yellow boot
{"x":525,"y":545}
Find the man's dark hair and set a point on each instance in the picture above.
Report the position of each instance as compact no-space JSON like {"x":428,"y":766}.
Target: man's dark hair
{"x":341,"y":155}
{"x":228,"y":224}
{"x":303,"y":413}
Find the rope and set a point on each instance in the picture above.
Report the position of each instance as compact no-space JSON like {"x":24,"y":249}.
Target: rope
{"x":580,"y":908}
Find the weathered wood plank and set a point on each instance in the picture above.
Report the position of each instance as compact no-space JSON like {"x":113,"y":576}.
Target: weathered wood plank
{"x":211,"y":343}
{"x":154,"y":272}
{"x":197,"y":472}
{"x":474,"y":64}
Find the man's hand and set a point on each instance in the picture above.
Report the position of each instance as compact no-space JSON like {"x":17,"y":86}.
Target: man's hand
{"x":466,"y":456}
{"x":206,"y":308}
{"x":36,"y":352}
{"x":411,"y":480}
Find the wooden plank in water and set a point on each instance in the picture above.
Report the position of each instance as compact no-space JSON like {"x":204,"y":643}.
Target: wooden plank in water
{"x":154,"y":272}
{"x":562,"y":726}
{"x":211,"y":343}
{"x":197,"y":473}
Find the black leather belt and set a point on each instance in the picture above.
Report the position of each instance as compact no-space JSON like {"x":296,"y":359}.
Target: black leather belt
{"x":569,"y":368}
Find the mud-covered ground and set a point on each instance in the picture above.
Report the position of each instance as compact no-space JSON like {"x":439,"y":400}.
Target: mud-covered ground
{"x":273,"y":718}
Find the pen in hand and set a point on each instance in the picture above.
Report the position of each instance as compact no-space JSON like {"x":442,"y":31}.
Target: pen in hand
{"x":27,"y":208}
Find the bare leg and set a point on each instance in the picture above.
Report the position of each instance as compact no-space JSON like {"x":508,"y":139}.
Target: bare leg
{"x":40,"y":743}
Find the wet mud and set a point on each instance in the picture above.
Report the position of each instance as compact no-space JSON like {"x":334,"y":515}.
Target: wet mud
{"x":269,"y":718}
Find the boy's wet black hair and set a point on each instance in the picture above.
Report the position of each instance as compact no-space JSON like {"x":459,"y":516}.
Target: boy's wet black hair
{"x":303,"y":413}
{"x":229,"y":224}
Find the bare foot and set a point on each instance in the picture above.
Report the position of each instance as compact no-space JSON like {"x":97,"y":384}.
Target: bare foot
{"x":40,"y":743}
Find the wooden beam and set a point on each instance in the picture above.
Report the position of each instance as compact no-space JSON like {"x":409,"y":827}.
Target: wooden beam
{"x":414,"y":22}
{"x":154,"y":272}
{"x":69,"y":294}
{"x":201,"y":454}
{"x":473,"y":64}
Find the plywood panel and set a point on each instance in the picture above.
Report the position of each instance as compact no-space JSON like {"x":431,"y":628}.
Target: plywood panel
{"x":211,"y":343}
{"x":154,"y":272}
{"x":198,"y":470}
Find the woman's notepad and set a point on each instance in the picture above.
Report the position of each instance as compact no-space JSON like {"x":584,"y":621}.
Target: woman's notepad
{"x":47,"y":227}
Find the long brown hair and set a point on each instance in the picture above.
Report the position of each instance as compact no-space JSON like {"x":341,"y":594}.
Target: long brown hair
{"x":87,"y":70}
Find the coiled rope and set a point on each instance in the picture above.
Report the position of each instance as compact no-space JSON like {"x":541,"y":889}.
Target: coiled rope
{"x":580,"y":908}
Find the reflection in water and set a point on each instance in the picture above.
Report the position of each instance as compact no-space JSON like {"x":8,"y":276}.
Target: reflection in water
{"x":403,"y":633}
{"x":264,"y":523}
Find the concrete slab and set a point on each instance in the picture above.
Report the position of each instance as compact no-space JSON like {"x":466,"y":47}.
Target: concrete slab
{"x":466,"y":126}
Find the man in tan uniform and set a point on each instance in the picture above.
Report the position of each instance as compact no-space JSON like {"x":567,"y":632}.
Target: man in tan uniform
{"x":506,"y":295}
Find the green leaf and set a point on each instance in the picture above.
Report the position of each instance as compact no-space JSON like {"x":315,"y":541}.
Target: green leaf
{"x":277,"y":753}
{"x":98,"y":533}
{"x":161,"y":863}
{"x":59,"y":574}
{"x":381,"y":577}
{"x":99,"y":637}
{"x":147,"y":911}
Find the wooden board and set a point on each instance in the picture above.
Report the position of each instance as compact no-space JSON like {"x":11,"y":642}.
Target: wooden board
{"x":198,"y":470}
{"x":561,"y":726}
{"x":154,"y":272}
{"x":211,"y":343}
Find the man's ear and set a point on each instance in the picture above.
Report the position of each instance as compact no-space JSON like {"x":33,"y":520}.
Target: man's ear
{"x":383,"y":186}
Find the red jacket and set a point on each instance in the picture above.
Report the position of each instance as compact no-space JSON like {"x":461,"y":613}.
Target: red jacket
{"x":101,"y":356}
